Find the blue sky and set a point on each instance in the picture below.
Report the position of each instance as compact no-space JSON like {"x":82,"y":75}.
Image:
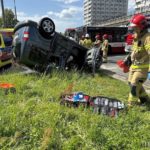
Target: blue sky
{"x":65,"y":13}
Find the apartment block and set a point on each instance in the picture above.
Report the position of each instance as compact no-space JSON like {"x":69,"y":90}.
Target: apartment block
{"x":142,"y":6}
{"x":97,"y":11}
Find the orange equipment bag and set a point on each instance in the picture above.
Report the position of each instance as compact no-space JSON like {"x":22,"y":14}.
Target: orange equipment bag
{"x":8,"y":88}
{"x":6,"y":85}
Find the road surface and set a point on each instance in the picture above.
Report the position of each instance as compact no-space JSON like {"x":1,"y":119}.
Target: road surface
{"x":113,"y":70}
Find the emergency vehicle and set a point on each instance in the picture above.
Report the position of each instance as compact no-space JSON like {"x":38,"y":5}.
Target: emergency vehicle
{"x":6,"y":38}
{"x":116,"y":35}
{"x":129,"y":40}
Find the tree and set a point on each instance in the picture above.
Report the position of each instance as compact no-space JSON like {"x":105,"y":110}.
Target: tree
{"x":10,"y":19}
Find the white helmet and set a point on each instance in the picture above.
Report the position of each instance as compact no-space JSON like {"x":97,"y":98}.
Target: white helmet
{"x":87,"y":35}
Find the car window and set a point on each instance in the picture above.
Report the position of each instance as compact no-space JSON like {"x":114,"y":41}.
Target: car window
{"x":7,"y":39}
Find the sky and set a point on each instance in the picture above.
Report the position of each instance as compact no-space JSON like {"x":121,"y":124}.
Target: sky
{"x":65,"y":13}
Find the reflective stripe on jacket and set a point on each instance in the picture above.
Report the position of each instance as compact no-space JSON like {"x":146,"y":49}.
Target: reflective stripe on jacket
{"x":140,"y":55}
{"x":81,"y":42}
{"x":105,"y":45}
{"x":88,"y":43}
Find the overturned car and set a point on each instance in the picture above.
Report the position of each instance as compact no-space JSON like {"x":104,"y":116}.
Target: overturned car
{"x":38,"y":46}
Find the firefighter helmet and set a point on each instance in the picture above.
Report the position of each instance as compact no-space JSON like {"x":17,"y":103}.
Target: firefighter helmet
{"x":87,"y":35}
{"x":105,"y":36}
{"x":139,"y":21}
{"x":98,"y":37}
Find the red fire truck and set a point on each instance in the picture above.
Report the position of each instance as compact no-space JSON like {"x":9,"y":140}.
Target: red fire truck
{"x":116,"y":35}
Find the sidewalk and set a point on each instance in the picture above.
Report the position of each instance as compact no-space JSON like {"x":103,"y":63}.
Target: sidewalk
{"x":111,"y":69}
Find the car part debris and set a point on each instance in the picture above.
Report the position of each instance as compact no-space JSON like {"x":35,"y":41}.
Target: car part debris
{"x":98,"y":104}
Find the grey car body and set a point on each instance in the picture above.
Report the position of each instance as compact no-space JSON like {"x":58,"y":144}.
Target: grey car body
{"x":34,"y":47}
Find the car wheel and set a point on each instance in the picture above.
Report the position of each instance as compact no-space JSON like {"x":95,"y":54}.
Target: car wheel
{"x":46,"y":27}
{"x":96,"y":62}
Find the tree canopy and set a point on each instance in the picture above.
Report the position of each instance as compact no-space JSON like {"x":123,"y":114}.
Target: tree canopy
{"x":10,"y":19}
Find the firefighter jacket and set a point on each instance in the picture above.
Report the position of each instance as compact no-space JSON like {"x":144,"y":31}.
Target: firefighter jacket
{"x":140,"y":55}
{"x":81,"y":42}
{"x":97,"y":43}
{"x":105,"y":45}
{"x":88,"y":43}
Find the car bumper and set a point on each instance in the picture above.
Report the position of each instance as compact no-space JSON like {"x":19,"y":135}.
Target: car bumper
{"x":4,"y":63}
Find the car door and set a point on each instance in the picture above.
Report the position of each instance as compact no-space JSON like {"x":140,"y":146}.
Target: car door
{"x":5,"y":49}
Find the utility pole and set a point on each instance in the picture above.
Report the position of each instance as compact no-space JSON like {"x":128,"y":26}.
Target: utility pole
{"x":3,"y":13}
{"x":15,"y":9}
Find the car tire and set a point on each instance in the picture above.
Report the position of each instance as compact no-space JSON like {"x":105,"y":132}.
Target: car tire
{"x":46,"y":27}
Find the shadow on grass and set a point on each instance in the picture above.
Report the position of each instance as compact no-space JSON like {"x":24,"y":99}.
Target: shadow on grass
{"x":5,"y":68}
{"x":103,"y":72}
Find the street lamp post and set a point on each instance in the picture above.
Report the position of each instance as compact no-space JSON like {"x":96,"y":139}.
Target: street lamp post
{"x":15,"y":9}
{"x":3,"y":13}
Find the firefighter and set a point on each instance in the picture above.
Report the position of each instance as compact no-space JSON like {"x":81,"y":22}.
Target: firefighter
{"x":140,"y":57}
{"x":81,"y":42}
{"x":105,"y":47}
{"x":97,"y":42}
{"x":88,"y":42}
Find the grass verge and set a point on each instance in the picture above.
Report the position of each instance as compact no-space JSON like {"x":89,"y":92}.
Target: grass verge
{"x":33,"y":119}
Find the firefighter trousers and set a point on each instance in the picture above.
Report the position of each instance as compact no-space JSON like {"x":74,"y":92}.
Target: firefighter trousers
{"x":137,"y":92}
{"x":105,"y":53}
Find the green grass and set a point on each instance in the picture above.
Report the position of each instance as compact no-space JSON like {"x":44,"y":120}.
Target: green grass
{"x":30,"y":120}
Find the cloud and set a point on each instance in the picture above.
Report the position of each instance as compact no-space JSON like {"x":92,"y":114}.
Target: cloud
{"x":23,"y":16}
{"x":68,"y":1}
{"x":69,"y":17}
{"x":67,"y":13}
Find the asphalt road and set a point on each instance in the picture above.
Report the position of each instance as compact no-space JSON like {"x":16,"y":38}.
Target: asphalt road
{"x":113,"y":70}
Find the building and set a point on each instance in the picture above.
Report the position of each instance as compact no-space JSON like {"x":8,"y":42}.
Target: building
{"x":97,"y":11}
{"x":142,"y":6}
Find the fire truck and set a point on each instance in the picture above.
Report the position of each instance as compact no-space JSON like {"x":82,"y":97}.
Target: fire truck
{"x":116,"y":35}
